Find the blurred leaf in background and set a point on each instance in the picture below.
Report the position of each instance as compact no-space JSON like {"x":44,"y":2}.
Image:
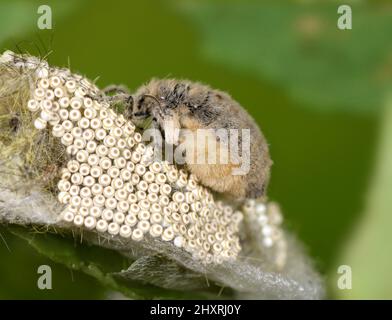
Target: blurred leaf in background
{"x":368,"y":252}
{"x":15,"y":18}
{"x":298,"y":46}
{"x":19,"y":17}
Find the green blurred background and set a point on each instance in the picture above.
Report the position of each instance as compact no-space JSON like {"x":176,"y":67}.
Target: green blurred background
{"x":320,"y":95}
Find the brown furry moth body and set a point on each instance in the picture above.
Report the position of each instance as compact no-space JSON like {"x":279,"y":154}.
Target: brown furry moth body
{"x":192,"y":106}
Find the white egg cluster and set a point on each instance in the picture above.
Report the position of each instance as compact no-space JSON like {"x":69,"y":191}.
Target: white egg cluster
{"x":265,"y":220}
{"x":112,"y":183}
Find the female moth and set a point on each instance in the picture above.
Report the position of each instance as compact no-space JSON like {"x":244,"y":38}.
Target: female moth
{"x":175,"y":105}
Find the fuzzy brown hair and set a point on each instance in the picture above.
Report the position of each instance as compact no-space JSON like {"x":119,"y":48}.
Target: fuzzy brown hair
{"x":34,"y":154}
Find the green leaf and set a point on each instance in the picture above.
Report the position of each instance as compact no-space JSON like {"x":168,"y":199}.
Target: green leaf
{"x":114,"y":271}
{"x":18,"y":258}
{"x":19,"y":17}
{"x":298,"y":46}
{"x":368,"y":251}
{"x":15,"y":18}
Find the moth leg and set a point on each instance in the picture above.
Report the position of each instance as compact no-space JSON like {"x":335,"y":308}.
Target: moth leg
{"x":115,"y":89}
{"x":113,"y":94}
{"x":123,"y":99}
